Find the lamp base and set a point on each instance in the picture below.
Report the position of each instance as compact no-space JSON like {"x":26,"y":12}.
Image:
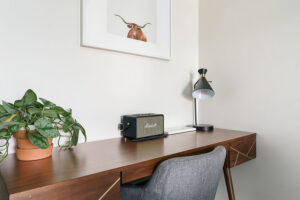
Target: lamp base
{"x":204,"y":127}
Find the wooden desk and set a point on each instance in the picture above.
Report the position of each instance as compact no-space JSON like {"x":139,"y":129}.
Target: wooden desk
{"x":95,"y":170}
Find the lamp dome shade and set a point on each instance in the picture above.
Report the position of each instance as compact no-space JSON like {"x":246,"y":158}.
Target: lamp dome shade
{"x":202,"y":89}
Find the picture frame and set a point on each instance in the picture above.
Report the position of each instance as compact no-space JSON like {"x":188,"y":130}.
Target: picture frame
{"x":140,"y":27}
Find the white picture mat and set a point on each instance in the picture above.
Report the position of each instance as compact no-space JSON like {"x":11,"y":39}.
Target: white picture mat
{"x":94,"y":31}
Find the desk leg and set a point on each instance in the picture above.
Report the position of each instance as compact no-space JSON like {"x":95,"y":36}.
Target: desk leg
{"x":229,"y":184}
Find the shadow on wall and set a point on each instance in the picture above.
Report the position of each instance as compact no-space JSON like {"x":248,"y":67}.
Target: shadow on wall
{"x":188,"y":89}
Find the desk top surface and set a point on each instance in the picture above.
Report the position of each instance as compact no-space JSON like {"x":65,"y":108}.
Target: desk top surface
{"x":103,"y":156}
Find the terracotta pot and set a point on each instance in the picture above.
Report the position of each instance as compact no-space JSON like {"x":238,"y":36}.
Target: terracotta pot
{"x":33,"y":154}
{"x":26,"y":151}
{"x":23,"y":142}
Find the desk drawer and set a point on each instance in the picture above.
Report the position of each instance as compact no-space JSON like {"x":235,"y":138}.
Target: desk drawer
{"x":242,"y":150}
{"x":93,"y":187}
{"x":141,"y":171}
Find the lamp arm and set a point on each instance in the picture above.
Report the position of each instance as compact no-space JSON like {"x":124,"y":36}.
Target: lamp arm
{"x":195,"y":106}
{"x":196,"y":84}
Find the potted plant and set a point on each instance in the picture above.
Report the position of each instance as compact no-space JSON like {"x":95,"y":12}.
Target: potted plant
{"x":34,"y":123}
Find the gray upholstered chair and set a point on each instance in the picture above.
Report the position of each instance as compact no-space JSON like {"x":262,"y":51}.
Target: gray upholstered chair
{"x":183,"y":178}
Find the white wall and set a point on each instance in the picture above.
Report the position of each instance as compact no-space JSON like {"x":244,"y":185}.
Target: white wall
{"x":40,"y":49}
{"x":252,"y":51}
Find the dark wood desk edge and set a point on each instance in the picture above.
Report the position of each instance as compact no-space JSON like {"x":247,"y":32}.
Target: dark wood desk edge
{"x":16,"y":195}
{"x":157,"y":159}
{"x":225,"y":143}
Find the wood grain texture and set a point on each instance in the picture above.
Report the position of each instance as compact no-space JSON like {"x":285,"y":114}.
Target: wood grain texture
{"x":3,"y":191}
{"x":109,"y":157}
{"x":90,"y":187}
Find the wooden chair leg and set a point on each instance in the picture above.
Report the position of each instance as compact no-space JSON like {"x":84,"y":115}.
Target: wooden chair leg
{"x":229,"y":184}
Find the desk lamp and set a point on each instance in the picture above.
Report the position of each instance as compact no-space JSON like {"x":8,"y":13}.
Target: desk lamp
{"x":202,"y":90}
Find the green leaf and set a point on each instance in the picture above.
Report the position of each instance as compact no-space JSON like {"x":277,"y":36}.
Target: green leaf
{"x":4,"y":134}
{"x":74,"y":139}
{"x":34,"y":110}
{"x":38,"y":140}
{"x":6,"y":124}
{"x":15,"y":124}
{"x":9,"y":107}
{"x":2,"y":110}
{"x":29,"y":97}
{"x":19,"y":103}
{"x":47,"y":103}
{"x":69,"y":110}
{"x":70,"y":120}
{"x":50,"y":133}
{"x":17,"y":119}
{"x":38,"y":105}
{"x":50,"y":113}
{"x":65,"y":128}
{"x":67,"y":124}
{"x":78,"y":126}
{"x":4,"y":116}
{"x":44,"y":126}
{"x":61,"y":111}
{"x":14,"y":127}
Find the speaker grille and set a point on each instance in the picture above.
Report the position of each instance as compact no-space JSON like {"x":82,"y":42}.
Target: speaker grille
{"x":149,"y":126}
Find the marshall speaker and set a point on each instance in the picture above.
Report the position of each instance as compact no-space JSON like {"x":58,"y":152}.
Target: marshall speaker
{"x":142,"y":126}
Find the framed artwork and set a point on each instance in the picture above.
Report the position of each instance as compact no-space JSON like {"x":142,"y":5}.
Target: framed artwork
{"x":141,"y":27}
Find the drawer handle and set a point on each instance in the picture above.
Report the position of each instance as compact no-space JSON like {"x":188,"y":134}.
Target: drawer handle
{"x":105,"y":193}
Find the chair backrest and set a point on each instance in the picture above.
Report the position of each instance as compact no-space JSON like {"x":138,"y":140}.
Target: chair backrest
{"x":187,"y":178}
